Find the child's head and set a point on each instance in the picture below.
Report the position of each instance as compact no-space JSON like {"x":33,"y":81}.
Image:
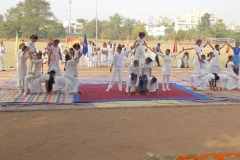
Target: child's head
{"x":154,"y":80}
{"x":39,"y":55}
{"x":168,"y":51}
{"x":203,"y":57}
{"x":142,"y":35}
{"x":148,"y":60}
{"x":56,"y":42}
{"x":186,"y":53}
{"x":237,"y":44}
{"x":50,"y":40}
{"x":76,"y":46}
{"x":52,"y":73}
{"x":134,"y":77}
{"x":146,"y":50}
{"x":98,"y":49}
{"x":199,"y":42}
{"x":71,"y":50}
{"x":119,"y":49}
{"x":123,"y":46}
{"x":114,"y":44}
{"x":210,"y":54}
{"x":153,"y":48}
{"x":136,"y":63}
{"x":68,"y":57}
{"x":95,"y":49}
{"x":24,"y":48}
{"x":34,"y":38}
{"x":105,"y":44}
{"x":110,"y":45}
{"x":217,"y":47}
{"x":90,"y":42}
{"x":144,"y":78}
{"x":231,"y":58}
{"x":21,"y":45}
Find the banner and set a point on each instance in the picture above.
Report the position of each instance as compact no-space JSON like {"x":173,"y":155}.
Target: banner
{"x":71,"y":41}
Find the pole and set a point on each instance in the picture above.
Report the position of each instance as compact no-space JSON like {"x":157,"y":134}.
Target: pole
{"x":96,"y":24}
{"x":70,"y":12}
{"x":66,"y":14}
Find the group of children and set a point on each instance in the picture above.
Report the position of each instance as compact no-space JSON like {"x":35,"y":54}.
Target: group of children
{"x":140,"y":78}
{"x":31,"y":81}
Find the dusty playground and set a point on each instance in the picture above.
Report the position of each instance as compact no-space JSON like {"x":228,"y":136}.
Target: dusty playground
{"x":121,"y":131}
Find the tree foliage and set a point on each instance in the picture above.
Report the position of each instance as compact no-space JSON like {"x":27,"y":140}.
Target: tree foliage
{"x":31,"y":17}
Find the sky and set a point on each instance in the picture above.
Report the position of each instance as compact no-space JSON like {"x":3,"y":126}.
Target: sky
{"x":228,"y":10}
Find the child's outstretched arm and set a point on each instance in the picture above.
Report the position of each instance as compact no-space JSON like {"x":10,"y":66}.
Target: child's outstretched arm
{"x":146,"y":44}
{"x":206,"y":44}
{"x":223,"y":46}
{"x":211,"y":45}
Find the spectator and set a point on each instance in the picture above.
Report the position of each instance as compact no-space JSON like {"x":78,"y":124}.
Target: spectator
{"x":157,"y":49}
{"x":2,"y":56}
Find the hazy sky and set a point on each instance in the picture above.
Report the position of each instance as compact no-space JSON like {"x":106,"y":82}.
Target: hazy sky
{"x":228,"y":10}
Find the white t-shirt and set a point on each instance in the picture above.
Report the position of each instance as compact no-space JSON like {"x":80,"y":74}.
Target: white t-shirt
{"x":140,"y":41}
{"x":61,"y":47}
{"x":147,"y":66}
{"x":204,"y":64}
{"x":31,"y":46}
{"x":44,"y":78}
{"x":133,"y":83}
{"x":118,"y":58}
{"x":90,"y":49}
{"x":198,"y":49}
{"x":230,"y":67}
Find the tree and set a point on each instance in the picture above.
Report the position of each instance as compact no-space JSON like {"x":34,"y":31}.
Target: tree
{"x":1,"y":18}
{"x":169,"y":31}
{"x":90,"y":29}
{"x":181,"y":35}
{"x":219,"y":29}
{"x":138,"y":28}
{"x":81,"y":20}
{"x":205,"y":24}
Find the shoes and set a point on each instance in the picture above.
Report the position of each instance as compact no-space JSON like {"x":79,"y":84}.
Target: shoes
{"x":3,"y":70}
{"x":168,"y":89}
{"x":107,"y":90}
{"x":25,"y":93}
{"x":164,"y":90}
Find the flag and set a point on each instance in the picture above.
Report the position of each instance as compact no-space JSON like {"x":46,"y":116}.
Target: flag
{"x":85,"y":47}
{"x":175,"y":47}
{"x":228,"y":47}
{"x":16,"y":46}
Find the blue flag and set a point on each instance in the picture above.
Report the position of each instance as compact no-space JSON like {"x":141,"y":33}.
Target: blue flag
{"x":85,"y":46}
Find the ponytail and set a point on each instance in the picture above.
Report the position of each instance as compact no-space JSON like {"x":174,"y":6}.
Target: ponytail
{"x":227,"y":63}
{"x":67,"y":57}
{"x":133,"y":75}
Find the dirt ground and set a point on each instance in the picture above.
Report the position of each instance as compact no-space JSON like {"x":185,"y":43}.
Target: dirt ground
{"x":119,"y":134}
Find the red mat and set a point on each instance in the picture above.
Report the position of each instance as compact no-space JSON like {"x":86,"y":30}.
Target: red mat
{"x":97,"y":93}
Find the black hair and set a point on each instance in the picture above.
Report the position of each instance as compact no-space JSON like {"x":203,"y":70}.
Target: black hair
{"x":216,"y":78}
{"x":141,"y":34}
{"x":154,"y":79}
{"x":21,"y":45}
{"x":33,"y":37}
{"x":51,"y":81}
{"x":229,"y":57}
{"x":25,"y":47}
{"x":217,"y":45}
{"x":168,"y":50}
{"x":133,"y":75}
{"x":135,"y":62}
{"x":149,"y":59}
{"x":144,"y":76}
{"x":71,"y":49}
{"x":77,"y":45}
{"x":119,"y":47}
{"x":56,"y":41}
{"x":208,"y":55}
{"x":203,"y":56}
{"x":199,"y":40}
{"x":67,"y":57}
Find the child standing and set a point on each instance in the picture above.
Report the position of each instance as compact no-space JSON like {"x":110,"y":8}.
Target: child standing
{"x":55,"y":56}
{"x":230,"y":72}
{"x":110,"y":54}
{"x":32,"y":51}
{"x":198,"y":49}
{"x":104,"y":54}
{"x":117,"y":62}
{"x":140,"y":47}
{"x":90,"y":54}
{"x":77,"y":53}
{"x":167,"y":67}
{"x":147,"y":67}
{"x":95,"y":57}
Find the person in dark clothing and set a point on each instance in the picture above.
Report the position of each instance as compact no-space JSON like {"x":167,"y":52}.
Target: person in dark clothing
{"x":157,"y":49}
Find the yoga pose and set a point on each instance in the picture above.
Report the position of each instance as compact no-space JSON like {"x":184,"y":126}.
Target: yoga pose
{"x":147,"y":67}
{"x":167,"y":67}
{"x":132,"y":84}
{"x":135,"y":68}
{"x":140,"y":47}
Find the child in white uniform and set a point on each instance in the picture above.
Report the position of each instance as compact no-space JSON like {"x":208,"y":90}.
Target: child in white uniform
{"x":201,"y":77}
{"x":110,"y":55}
{"x":22,"y":67}
{"x":186,"y":60}
{"x":18,"y":55}
{"x":70,"y":74}
{"x":117,"y":62}
{"x":152,"y":85}
{"x":36,"y":73}
{"x":232,"y":74}
{"x":135,"y":68}
{"x":90,"y":54}
{"x":77,"y":53}
{"x":216,"y":52}
{"x":55,"y":55}
{"x":32,"y":51}
{"x":48,"y":79}
{"x":95,"y":57}
{"x":198,"y":49}
{"x":132,"y":84}
{"x":104,"y":54}
{"x":167,"y":67}
{"x":140,"y":47}
{"x":147,"y":67}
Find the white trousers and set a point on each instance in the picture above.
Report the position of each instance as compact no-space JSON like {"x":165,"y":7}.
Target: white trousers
{"x":2,"y":62}
{"x":116,"y":70}
{"x":165,"y":80}
{"x":28,"y":80}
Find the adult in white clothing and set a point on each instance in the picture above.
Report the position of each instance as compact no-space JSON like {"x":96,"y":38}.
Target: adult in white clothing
{"x":117,"y":62}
